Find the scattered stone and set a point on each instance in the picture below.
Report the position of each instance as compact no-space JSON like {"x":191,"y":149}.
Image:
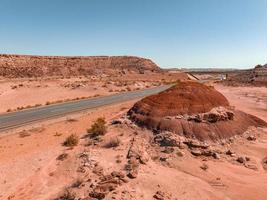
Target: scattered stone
{"x":132,"y":167}
{"x":98,"y":170}
{"x":229,"y":152}
{"x":241,"y":159}
{"x":204,"y":166}
{"x":107,"y":184}
{"x":251,"y":138}
{"x":116,"y":121}
{"x":216,"y":155}
{"x":264,"y":163}
{"x":196,"y":144}
{"x":159,"y":195}
{"x":168,"y":150}
{"x":166,"y":139}
{"x":180,"y":153}
{"x":251,"y":166}
{"x":163,"y":159}
{"x":196,"y":152}
{"x":247,"y":158}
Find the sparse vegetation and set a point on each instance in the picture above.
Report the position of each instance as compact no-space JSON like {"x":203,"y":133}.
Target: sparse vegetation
{"x":113,"y":142}
{"x":77,"y":183}
{"x":204,"y":166}
{"x":57,"y":134}
{"x":67,"y":195}
{"x":62,"y":156}
{"x":98,"y":128}
{"x":24,"y":134}
{"x":69,"y":119}
{"x":71,"y":141}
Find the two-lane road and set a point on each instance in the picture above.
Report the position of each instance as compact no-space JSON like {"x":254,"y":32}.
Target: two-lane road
{"x":17,"y":119}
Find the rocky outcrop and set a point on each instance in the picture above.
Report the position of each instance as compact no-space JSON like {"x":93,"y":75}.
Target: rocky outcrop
{"x":192,"y":110}
{"x":15,"y":66}
{"x":256,"y":77}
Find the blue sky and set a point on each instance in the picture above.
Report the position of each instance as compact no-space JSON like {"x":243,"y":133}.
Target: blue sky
{"x":174,"y":33}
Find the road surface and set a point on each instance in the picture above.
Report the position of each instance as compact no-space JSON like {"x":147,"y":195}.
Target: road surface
{"x":20,"y":118}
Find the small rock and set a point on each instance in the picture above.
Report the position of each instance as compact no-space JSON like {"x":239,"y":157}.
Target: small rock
{"x":116,"y":121}
{"x":133,"y":174}
{"x":144,"y":158}
{"x":180,"y":153}
{"x":117,"y":174}
{"x":247,"y":158}
{"x":196,"y":152}
{"x":229,"y":152}
{"x":159,"y":195}
{"x":251,"y":138}
{"x":196,"y":144}
{"x":164,"y":159}
{"x":97,"y":195}
{"x":168,"y":150}
{"x":216,"y":156}
{"x":241,"y":159}
{"x":204,"y":166}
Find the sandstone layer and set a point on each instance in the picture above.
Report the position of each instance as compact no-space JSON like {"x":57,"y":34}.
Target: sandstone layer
{"x":193,"y":110}
{"x":255,"y":77}
{"x":16,"y":66}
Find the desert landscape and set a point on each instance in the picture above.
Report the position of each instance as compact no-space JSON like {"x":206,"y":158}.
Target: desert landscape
{"x":133,"y":100}
{"x":209,"y":139}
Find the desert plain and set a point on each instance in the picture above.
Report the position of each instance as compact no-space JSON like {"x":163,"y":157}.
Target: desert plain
{"x":155,"y":148}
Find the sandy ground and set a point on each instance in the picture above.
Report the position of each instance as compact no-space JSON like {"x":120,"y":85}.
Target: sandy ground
{"x":29,"y":168}
{"x":252,"y":100}
{"x":15,"y":93}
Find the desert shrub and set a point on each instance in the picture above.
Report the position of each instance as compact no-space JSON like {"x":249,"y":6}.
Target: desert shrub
{"x":77,"y":183}
{"x":204,"y":166}
{"x":71,"y":119}
{"x":113,"y":142}
{"x":98,"y":128}
{"x":71,"y":140}
{"x":24,"y":134}
{"x":62,"y":156}
{"x":67,"y":195}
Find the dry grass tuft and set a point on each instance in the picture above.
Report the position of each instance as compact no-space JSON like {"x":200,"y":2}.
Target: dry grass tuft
{"x":98,"y":128}
{"x":62,"y":156}
{"x":71,"y":141}
{"x":113,"y":142}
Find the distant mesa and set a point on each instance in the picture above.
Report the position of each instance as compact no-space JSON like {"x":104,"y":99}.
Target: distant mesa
{"x":256,"y":77}
{"x":192,"y":110}
{"x":16,"y":66}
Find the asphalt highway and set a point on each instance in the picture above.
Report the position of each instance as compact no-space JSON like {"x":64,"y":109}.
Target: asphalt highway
{"x":20,"y":118}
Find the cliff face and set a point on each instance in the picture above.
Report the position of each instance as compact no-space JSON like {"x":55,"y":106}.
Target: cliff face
{"x":15,"y":66}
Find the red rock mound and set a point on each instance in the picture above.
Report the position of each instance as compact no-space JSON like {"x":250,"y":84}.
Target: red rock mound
{"x":16,"y":66}
{"x":183,"y":98}
{"x":193,"y":110}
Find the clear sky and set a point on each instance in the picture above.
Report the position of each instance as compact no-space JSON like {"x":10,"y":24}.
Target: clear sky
{"x":174,"y":33}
